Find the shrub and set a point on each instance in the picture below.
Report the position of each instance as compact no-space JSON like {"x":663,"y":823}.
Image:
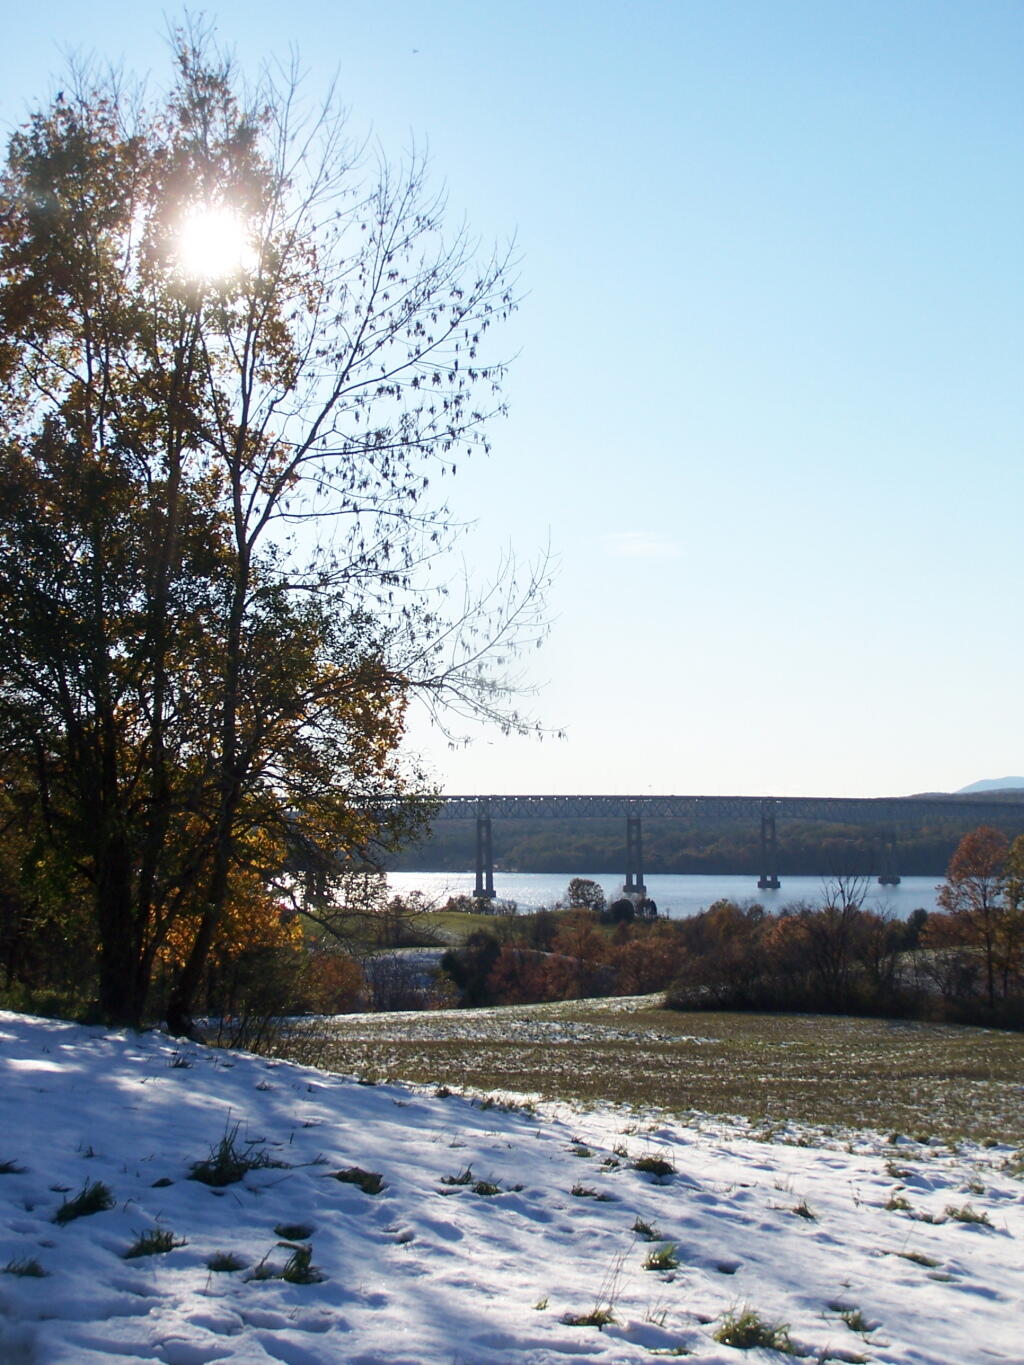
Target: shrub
{"x":93,"y":1197}
{"x":470,"y":966}
{"x":622,"y":911}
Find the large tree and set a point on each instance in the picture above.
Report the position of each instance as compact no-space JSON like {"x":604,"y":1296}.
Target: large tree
{"x":235,"y":362}
{"x":973,"y":893}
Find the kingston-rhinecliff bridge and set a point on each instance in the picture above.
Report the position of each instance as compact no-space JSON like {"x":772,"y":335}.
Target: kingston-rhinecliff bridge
{"x":886,"y":815}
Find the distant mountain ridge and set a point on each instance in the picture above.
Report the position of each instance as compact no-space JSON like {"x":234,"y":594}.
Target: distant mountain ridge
{"x":992,"y":784}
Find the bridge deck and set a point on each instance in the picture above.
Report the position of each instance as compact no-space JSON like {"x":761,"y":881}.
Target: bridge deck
{"x":883,"y":810}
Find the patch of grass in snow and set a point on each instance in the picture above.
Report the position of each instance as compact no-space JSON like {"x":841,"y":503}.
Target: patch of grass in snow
{"x":579,"y":1191}
{"x":898,"y":1203}
{"x":853,"y":1317}
{"x":804,"y":1210}
{"x":153,"y":1242}
{"x":93,"y":1197}
{"x":664,"y":1258}
{"x":966,"y":1213}
{"x":370,"y":1182}
{"x":827,"y":1071}
{"x":745,"y":1329}
{"x":230,"y":1160}
{"x":918,"y":1258}
{"x":596,"y":1317}
{"x":299,"y":1268}
{"x":464,"y":1177}
{"x":11,"y":1168}
{"x":653,"y":1165}
{"x":294,"y":1232}
{"x":26,"y":1266}
{"x":485,"y":1188}
{"x":225,"y":1261}
{"x":647,"y":1231}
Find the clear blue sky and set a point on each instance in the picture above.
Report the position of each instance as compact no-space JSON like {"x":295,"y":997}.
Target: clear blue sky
{"x":768,"y":403}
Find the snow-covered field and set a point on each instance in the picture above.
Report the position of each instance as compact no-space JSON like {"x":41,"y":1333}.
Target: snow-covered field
{"x":492,"y":1228}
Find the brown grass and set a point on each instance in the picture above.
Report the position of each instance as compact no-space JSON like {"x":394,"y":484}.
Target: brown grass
{"x":945,"y":1081}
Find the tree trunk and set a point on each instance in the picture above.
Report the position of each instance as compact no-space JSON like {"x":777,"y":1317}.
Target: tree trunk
{"x":124,"y":979}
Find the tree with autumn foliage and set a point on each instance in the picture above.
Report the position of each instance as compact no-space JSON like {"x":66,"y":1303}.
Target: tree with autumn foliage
{"x":973,"y":894}
{"x":234,"y":360}
{"x":1011,"y":938}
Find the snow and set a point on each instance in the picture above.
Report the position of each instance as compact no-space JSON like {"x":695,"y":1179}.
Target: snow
{"x":427,"y":1271}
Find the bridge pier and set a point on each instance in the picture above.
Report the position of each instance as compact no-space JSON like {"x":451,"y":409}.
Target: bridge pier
{"x":888,"y":876}
{"x":769,"y":878}
{"x":484,"y":888}
{"x":634,"y":856}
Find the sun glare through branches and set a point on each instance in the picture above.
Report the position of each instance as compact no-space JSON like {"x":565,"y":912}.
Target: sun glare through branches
{"x":213,"y":243}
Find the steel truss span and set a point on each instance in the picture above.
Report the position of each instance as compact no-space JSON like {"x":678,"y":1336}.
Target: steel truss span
{"x":888,"y":814}
{"x":890,"y":811}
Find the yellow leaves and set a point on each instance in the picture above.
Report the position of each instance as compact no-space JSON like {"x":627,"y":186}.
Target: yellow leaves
{"x":253,"y":919}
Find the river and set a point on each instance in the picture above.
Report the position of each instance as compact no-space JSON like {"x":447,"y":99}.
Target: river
{"x":675,"y":896}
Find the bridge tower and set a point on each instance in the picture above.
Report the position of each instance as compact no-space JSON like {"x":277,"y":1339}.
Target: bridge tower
{"x":888,"y":876}
{"x":634,"y":856}
{"x":769,"y":878}
{"x":484,"y":888}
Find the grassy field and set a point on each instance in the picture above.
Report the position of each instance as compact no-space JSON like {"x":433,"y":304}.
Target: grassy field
{"x":924,"y":1080}
{"x":455,"y":926}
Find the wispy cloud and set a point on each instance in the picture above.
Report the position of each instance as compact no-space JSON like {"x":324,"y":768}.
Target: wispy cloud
{"x":642,"y":545}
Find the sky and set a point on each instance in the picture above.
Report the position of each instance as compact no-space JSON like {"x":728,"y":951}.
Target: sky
{"x":765,"y":405}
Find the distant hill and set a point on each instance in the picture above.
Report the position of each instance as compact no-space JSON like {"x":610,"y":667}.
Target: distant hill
{"x":993,"y":784}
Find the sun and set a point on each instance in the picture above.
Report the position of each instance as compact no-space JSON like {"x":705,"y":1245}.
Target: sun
{"x":212,"y":242}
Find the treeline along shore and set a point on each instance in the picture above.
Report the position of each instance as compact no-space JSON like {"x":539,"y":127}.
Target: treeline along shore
{"x":714,"y":847}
